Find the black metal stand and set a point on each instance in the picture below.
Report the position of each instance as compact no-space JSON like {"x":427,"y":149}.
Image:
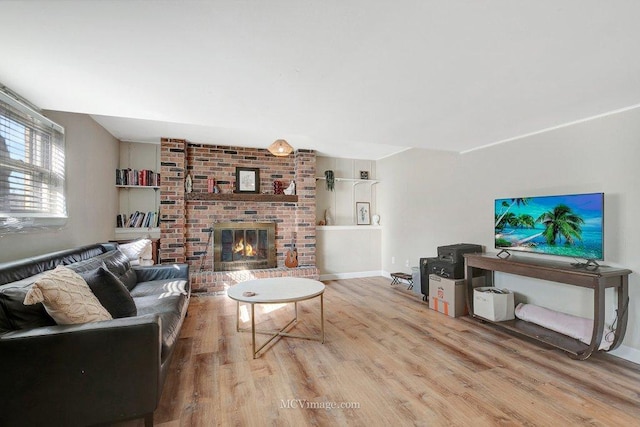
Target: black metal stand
{"x":206,"y":250}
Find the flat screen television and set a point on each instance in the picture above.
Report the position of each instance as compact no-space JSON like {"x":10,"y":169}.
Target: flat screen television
{"x":566,"y":225}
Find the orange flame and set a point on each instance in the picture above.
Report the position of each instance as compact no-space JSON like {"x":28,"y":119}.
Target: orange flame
{"x":248,"y":250}
{"x":241,"y":246}
{"x":238,"y":247}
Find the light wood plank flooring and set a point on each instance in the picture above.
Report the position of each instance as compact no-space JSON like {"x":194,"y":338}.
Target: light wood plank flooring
{"x":387,"y":360}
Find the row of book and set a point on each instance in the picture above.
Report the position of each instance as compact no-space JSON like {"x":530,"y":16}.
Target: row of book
{"x":138,"y":220}
{"x":144,"y":177}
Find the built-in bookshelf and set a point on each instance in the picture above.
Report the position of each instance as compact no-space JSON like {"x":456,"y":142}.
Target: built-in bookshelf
{"x":138,"y":182}
{"x":133,"y":178}
{"x":138,"y":219}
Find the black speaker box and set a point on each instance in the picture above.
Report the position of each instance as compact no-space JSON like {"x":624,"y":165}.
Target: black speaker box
{"x":440,"y":267}
{"x":447,"y":269}
{"x":454,"y":253}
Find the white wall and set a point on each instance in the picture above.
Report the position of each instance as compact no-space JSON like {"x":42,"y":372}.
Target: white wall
{"x":430,"y":198}
{"x":345,"y":252}
{"x":91,"y":160}
{"x":344,"y":249}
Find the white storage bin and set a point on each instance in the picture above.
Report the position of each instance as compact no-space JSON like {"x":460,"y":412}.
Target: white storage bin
{"x":494,"y":306}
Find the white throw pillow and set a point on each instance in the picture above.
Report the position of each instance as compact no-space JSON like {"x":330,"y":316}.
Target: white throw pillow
{"x":66,"y":297}
{"x":137,"y":250}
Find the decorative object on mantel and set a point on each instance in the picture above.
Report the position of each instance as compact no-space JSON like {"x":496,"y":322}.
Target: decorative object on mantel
{"x":188,"y":184}
{"x":278,"y":187}
{"x":247,"y":180}
{"x":212,"y":187}
{"x":362,"y":213}
{"x":328,"y":216}
{"x":321,"y":222}
{"x":280,"y":148}
{"x":376,"y":219}
{"x":291,"y":189}
{"x":328,"y":174}
{"x":364,"y":174}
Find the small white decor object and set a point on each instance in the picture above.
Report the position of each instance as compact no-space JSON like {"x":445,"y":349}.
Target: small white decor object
{"x":291,"y":189}
{"x":188,"y":184}
{"x":376,"y":219}
{"x":328,"y":216}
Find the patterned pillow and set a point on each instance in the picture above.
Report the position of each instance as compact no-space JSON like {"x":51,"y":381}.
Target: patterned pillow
{"x":66,"y":297}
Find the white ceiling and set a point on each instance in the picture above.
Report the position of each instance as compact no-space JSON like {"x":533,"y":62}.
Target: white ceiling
{"x":361,"y":79}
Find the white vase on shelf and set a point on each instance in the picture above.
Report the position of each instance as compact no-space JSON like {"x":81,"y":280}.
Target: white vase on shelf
{"x":376,"y":219}
{"x":328,"y":216}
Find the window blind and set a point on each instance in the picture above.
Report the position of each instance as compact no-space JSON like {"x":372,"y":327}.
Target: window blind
{"x":32,"y":168}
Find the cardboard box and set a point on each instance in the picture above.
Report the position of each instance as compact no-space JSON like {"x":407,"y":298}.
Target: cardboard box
{"x":447,"y":296}
{"x":493,"y":306}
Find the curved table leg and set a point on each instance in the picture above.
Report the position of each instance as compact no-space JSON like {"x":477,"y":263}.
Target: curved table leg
{"x":598,"y":324}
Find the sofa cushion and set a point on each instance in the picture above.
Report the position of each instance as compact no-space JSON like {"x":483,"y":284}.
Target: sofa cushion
{"x":115,"y":261}
{"x":66,"y":297}
{"x":24,"y":268}
{"x":169,"y":300}
{"x":110,"y":291}
{"x":14,"y":314}
{"x":163,"y":288}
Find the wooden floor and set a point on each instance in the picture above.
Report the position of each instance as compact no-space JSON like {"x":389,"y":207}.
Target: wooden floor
{"x":387,"y":360}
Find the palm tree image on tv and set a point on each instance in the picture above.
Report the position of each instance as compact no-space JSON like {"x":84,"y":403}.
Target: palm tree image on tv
{"x":559,"y":225}
{"x":561,"y":222}
{"x":505,"y":216}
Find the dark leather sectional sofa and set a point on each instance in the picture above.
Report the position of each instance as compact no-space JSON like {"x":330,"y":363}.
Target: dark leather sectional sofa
{"x":92,"y":373}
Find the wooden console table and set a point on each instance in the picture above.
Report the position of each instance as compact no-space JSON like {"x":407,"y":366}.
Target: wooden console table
{"x":597,"y":279}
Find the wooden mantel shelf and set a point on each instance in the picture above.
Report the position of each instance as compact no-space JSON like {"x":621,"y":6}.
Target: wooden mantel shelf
{"x":241,"y":197}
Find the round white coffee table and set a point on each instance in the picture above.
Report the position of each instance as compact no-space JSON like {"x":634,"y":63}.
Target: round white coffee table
{"x":277,"y":290}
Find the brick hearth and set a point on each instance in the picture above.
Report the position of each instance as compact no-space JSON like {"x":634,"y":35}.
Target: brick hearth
{"x":185,"y":220}
{"x":210,"y":281}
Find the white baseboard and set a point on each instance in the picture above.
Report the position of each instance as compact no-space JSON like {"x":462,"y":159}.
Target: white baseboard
{"x":627,"y":353}
{"x":354,"y":275}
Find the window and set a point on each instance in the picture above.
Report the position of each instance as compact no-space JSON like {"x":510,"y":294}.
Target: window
{"x":32,"y":170}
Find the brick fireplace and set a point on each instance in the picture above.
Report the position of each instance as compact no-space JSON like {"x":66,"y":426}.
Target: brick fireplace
{"x":185,"y":219}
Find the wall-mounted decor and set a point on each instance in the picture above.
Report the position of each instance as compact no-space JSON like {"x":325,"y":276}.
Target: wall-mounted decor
{"x":329,"y":176}
{"x":247,"y":180}
{"x":363,"y":217}
{"x":364,"y":174}
{"x":188,"y":184}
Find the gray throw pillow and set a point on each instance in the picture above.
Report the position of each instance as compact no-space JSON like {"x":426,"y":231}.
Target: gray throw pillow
{"x":15,"y":315}
{"x":111,"y":292}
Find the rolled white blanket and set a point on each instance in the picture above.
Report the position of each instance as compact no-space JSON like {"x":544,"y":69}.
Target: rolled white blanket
{"x":567,"y":324}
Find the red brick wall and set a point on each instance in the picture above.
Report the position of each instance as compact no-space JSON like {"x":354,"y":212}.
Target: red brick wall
{"x":305,"y":226}
{"x":172,"y":203}
{"x":219,"y":162}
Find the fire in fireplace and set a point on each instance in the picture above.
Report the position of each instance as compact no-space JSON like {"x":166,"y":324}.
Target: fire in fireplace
{"x":244,"y":246}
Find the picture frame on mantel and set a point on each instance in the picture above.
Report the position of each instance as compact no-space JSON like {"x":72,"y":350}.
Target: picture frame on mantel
{"x":363,"y":215}
{"x":247,"y":180}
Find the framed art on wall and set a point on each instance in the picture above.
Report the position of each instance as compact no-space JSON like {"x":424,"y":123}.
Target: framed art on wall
{"x":247,"y":180}
{"x":362,"y":213}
